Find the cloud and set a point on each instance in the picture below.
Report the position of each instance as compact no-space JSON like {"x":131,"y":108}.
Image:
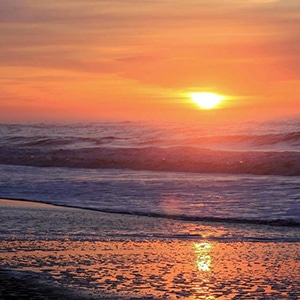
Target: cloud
{"x":110,"y":36}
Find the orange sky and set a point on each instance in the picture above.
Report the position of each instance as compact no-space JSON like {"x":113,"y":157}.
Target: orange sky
{"x":74,"y":60}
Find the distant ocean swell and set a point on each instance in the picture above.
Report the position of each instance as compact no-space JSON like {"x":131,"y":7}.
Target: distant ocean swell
{"x":179,"y":159}
{"x":277,"y":141}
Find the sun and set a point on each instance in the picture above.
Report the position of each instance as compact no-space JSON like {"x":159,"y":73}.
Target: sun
{"x":206,"y":100}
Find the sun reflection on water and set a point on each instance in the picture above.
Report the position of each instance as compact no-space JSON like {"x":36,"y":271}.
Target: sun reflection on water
{"x":203,"y":258}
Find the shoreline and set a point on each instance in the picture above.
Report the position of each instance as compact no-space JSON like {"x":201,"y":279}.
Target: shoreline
{"x":216,"y":220}
{"x":24,"y":202}
{"x":46,"y":252}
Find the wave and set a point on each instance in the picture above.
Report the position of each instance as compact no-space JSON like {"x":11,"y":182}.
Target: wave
{"x":241,"y":142}
{"x":272,"y":222}
{"x":59,"y":142}
{"x":291,"y":139}
{"x":178,"y":159}
{"x":283,"y":136}
{"x":269,"y":222}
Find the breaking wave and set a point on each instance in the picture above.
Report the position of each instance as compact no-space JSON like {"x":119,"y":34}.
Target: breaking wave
{"x":181,"y":159}
{"x":272,"y":149}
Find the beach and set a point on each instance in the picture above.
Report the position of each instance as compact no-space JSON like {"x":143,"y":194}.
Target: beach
{"x":44,"y":250}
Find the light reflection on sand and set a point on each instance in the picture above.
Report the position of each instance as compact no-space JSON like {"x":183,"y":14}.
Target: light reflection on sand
{"x":157,"y":268}
{"x":203,"y":259}
{"x":162,"y":268}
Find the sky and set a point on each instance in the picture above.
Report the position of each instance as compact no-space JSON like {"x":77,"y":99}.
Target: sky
{"x":94,"y":60}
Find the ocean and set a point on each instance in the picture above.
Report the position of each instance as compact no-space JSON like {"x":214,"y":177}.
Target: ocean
{"x":144,"y":211}
{"x":234,"y":174}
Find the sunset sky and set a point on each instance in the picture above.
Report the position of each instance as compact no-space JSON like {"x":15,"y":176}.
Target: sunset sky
{"x":93,"y":60}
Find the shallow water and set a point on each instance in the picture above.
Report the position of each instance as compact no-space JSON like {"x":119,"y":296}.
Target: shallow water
{"x":272,"y":200}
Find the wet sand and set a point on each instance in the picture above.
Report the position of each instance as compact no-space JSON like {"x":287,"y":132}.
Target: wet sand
{"x":66,"y":265}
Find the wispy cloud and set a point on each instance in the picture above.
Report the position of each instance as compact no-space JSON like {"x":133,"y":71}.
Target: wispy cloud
{"x":167,"y":44}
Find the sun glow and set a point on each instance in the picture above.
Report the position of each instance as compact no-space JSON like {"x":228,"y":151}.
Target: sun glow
{"x":206,"y":100}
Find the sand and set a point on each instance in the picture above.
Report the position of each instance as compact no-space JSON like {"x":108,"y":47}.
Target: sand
{"x":71,"y":265}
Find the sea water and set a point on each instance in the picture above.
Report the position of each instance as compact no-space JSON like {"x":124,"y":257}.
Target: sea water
{"x":233,"y":174}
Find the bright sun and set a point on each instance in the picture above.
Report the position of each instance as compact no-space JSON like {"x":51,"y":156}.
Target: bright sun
{"x":206,"y":100}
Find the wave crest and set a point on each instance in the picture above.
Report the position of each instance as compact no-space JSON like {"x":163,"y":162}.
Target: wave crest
{"x":180,"y":159}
